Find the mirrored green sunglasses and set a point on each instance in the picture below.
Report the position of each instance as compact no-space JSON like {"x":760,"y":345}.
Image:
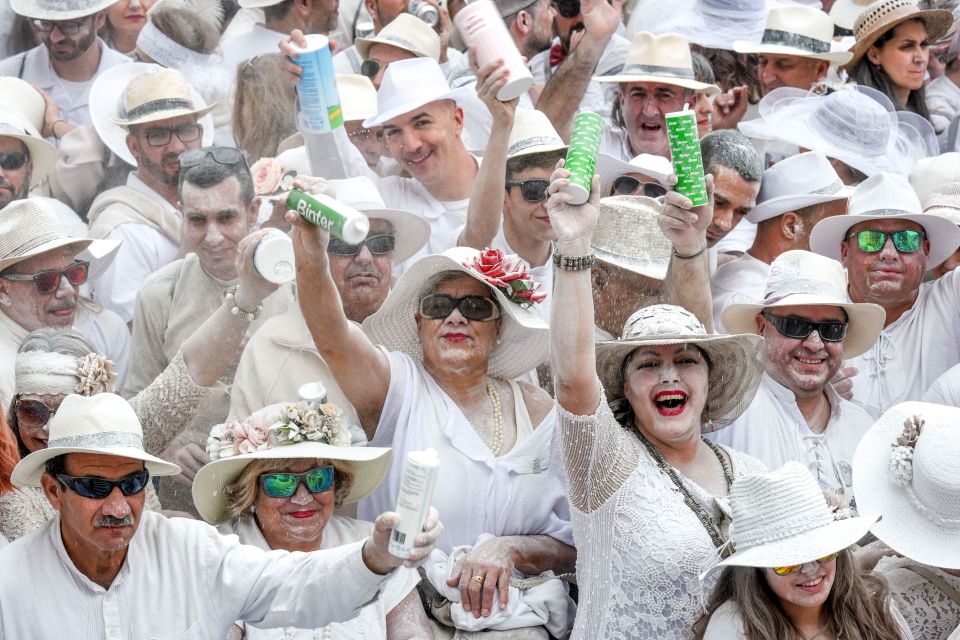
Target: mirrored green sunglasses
{"x":284,"y":485}
{"x":905,"y":240}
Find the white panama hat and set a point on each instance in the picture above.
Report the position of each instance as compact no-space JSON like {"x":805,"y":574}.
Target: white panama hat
{"x":43,"y":155}
{"x":665,"y":59}
{"x":107,"y":107}
{"x":22,"y":97}
{"x":58,"y":9}
{"x":524,"y":338}
{"x":406,"y":32}
{"x":929,"y":174}
{"x":846,"y":12}
{"x":627,"y":236}
{"x":408,"y":85}
{"x":782,"y":518}
{"x":945,"y":202}
{"x":410,"y":230}
{"x":533,"y":133}
{"x":912,"y":477}
{"x":611,"y":167}
{"x":104,"y":424}
{"x":885,"y":196}
{"x":796,"y":30}
{"x":28,"y":229}
{"x":802,"y":278}
{"x":857,"y":125}
{"x":796,"y":182}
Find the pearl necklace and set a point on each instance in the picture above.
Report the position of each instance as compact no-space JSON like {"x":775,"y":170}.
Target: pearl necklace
{"x":497,"y":420}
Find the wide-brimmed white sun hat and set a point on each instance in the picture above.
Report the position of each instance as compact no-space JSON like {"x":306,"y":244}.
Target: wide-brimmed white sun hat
{"x":28,"y":229}
{"x":796,"y":30}
{"x":533,"y":133}
{"x":884,"y":15}
{"x":524,"y":337}
{"x":796,"y":182}
{"x":103,"y":424}
{"x":906,"y":468}
{"x":409,"y":85}
{"x":627,"y":236}
{"x":406,"y":32}
{"x":708,"y":23}
{"x":736,"y":361}
{"x":945,"y":202}
{"x":929,"y":174}
{"x":108,"y":103}
{"x":782,"y":518}
{"x":665,"y":59}
{"x":805,"y":279}
{"x":294,"y":430}
{"x":885,"y":196}
{"x":22,"y":97}
{"x":43,"y":155}
{"x":610,"y":168}
{"x":58,"y":9}
{"x":845,"y":12}
{"x":858,"y":125}
{"x":410,"y":230}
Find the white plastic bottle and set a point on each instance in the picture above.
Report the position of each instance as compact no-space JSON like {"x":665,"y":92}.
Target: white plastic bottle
{"x":413,"y":502}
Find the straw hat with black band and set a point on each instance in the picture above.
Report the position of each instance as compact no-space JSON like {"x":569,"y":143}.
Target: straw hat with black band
{"x":664,"y":59}
{"x":28,"y":229}
{"x":799,"y":31}
{"x":884,"y":15}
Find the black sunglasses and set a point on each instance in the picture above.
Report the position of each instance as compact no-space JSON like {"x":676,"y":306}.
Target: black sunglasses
{"x":531,"y":190}
{"x":100,"y":488}
{"x":629,"y":186}
{"x":49,"y":281}
{"x":227,"y":156}
{"x":439,"y":306}
{"x":567,"y":8}
{"x":12,"y":160}
{"x":800,"y":329}
{"x":32,"y":414}
{"x":377,"y":245}
{"x":370,"y":68}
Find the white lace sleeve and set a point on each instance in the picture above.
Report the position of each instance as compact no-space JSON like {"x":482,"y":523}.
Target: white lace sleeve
{"x":930,"y":613}
{"x":599,"y":455}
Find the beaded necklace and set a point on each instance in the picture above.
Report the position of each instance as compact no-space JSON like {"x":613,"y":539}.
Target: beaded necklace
{"x":694,"y":505}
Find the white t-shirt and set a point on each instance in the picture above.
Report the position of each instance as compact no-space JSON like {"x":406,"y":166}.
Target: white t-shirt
{"x":740,"y":281}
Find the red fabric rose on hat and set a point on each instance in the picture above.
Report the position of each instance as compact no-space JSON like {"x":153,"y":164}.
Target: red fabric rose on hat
{"x":509,"y":275}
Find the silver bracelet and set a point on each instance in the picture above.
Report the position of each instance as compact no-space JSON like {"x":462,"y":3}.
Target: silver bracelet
{"x":690,"y":256}
{"x":230,"y":296}
{"x":575,"y":263}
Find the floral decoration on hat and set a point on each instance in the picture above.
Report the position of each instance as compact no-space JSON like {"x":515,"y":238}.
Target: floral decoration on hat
{"x":95,"y":375}
{"x":509,"y":275}
{"x":901,"y":456}
{"x":269,"y":177}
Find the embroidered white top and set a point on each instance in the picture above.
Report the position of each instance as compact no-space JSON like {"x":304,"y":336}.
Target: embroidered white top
{"x":931,"y":614}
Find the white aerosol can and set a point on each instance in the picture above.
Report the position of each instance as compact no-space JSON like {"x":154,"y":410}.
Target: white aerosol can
{"x":413,"y":502}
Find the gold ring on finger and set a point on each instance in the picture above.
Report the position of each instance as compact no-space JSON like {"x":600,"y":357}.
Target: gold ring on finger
{"x":478,"y":577}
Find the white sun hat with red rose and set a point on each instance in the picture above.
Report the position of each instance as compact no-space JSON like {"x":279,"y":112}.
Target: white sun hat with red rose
{"x":524,"y":339}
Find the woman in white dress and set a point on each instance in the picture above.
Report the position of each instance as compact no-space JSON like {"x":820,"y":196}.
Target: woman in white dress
{"x":274,"y":480}
{"x":643,"y":483}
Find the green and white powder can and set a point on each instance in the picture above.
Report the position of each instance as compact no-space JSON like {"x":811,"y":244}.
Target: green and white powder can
{"x":685,"y":154}
{"x":582,"y":154}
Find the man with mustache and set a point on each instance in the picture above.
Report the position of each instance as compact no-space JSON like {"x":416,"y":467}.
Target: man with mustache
{"x":70,"y":55}
{"x":161,"y":123}
{"x":216,"y":200}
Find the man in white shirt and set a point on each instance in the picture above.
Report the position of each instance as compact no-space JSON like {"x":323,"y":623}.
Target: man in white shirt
{"x":887,"y":244}
{"x":161,"y":122}
{"x":795,"y":194}
{"x":70,"y":56}
{"x":808,"y":326}
{"x":110,"y":570}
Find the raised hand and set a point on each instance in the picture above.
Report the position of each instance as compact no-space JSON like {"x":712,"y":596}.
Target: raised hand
{"x":376,"y":554}
{"x":683,"y":224}
{"x":490,"y":79}
{"x":572,"y":223}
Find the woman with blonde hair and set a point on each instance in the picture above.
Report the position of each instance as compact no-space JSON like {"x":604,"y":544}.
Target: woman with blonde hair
{"x":263,"y":107}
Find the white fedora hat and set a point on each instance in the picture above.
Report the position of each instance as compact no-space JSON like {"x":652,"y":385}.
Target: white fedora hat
{"x":319,"y":431}
{"x":929,"y":174}
{"x":796,"y":182}
{"x":411,"y":231}
{"x":782,"y":518}
{"x":627,"y":236}
{"x":58,"y":9}
{"x":28,"y":228}
{"x":945,"y":202}
{"x":21,"y":96}
{"x":907,"y":469}
{"x":885,"y":196}
{"x":104,"y":424}
{"x":736,"y":360}
{"x":107,"y":102}
{"x":409,"y":85}
{"x":43,"y":155}
{"x":406,"y":32}
{"x":533,"y":133}
{"x":802,"y":278}
{"x":796,"y":30}
{"x":358,"y":96}
{"x":524,"y":339}
{"x":611,"y":167}
{"x":665,"y":59}
{"x":845,"y":12}
{"x":883,"y":15}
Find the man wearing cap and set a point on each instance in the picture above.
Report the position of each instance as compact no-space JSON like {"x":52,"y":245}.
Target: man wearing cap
{"x":161,"y":123}
{"x":40,"y":276}
{"x":886,"y":243}
{"x":808,"y":326}
{"x":218,"y":206}
{"x":70,"y":55}
{"x":795,"y":194}
{"x":281,"y":356}
{"x":103,"y":568}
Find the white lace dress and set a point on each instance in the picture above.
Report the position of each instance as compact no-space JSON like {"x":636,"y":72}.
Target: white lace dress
{"x":930,"y":613}
{"x":640,"y":549}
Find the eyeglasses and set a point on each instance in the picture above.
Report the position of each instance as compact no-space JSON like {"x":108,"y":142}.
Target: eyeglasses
{"x":370,"y":68}
{"x":186,"y":132}
{"x":12,"y":160}
{"x":67,"y":27}
{"x":377,"y":245}
{"x":567,"y":8}
{"x":227,"y":156}
{"x":100,"y":488}
{"x":905,"y":240}
{"x":49,"y":281}
{"x":628,"y":186}
{"x":439,"y":306}
{"x":284,"y":485}
{"x":32,"y":414}
{"x":793,"y":568}
{"x":800,"y":329}
{"x":531,"y":190}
